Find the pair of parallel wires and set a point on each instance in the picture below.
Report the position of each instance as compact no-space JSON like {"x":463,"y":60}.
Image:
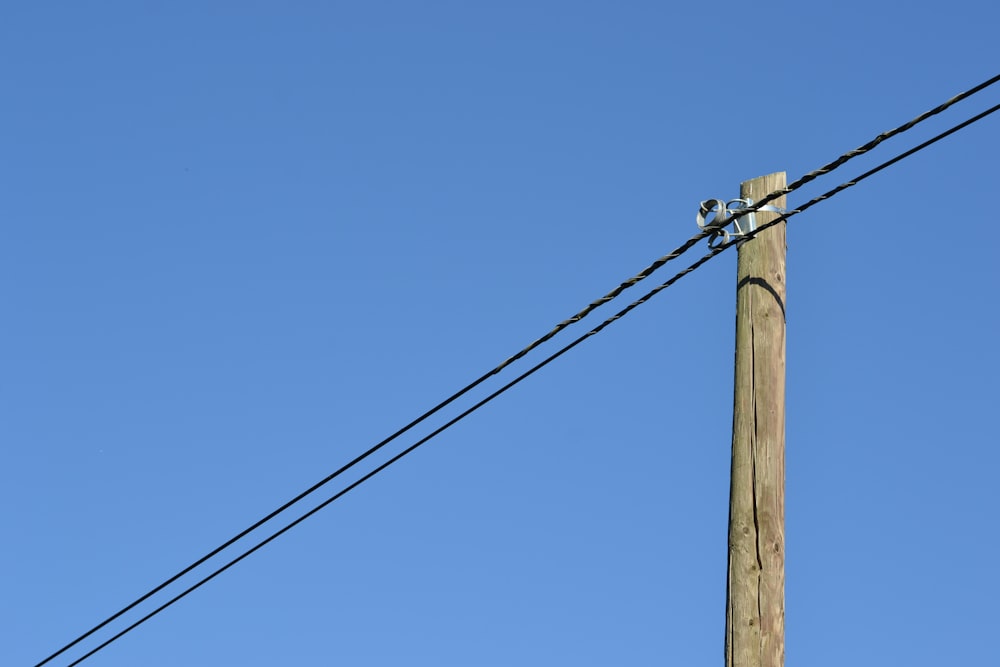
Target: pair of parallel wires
{"x":710,"y":230}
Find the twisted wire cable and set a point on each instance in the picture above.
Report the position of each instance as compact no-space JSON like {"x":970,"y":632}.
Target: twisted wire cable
{"x":788,"y":189}
{"x":865,"y":148}
{"x":617,"y":316}
{"x":391,"y":461}
{"x":677,"y":252}
{"x":642,"y":275}
{"x":849,"y":184}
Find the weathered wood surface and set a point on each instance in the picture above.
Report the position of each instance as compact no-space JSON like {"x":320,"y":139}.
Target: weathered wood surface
{"x":755,"y":590}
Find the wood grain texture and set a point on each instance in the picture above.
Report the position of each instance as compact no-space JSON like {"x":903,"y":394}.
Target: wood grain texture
{"x":755,"y":589}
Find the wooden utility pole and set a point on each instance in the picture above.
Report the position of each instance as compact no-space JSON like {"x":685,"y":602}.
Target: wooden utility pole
{"x":755,"y":588}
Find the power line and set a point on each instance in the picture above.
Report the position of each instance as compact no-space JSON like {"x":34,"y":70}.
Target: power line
{"x":791,"y":187}
{"x":642,"y":275}
{"x":864,"y":148}
{"x":722,"y":247}
{"x":649,"y":295}
{"x":871,"y":172}
{"x":659,"y":263}
{"x":394,"y":459}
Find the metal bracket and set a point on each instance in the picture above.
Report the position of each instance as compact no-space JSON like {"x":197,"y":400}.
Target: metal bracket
{"x":742,"y":218}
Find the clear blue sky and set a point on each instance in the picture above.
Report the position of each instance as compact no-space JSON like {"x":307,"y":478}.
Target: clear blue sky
{"x":243,"y":241}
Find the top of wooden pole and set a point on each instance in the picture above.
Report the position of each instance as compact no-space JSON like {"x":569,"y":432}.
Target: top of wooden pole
{"x":760,"y":187}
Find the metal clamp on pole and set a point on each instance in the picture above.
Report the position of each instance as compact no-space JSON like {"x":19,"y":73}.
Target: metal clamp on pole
{"x":723,"y":213}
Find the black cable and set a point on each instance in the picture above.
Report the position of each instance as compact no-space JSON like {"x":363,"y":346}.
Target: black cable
{"x":358,"y":459}
{"x":848,"y":184}
{"x":645,"y":273}
{"x":864,"y":148}
{"x":659,"y":288}
{"x":394,"y":459}
{"x":791,"y":187}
